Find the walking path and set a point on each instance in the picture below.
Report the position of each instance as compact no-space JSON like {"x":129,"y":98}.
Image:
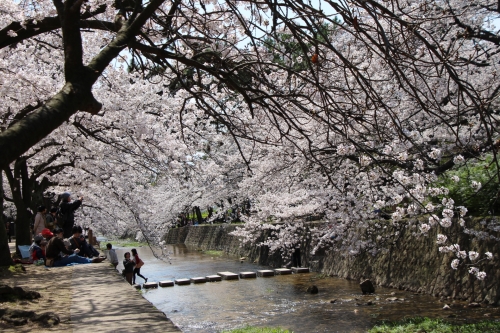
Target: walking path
{"x":101,"y":301}
{"x":104,"y":302}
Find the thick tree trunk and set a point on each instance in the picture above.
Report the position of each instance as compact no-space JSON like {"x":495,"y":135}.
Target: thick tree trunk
{"x":5,"y":258}
{"x":198,"y":214}
{"x":23,"y":236}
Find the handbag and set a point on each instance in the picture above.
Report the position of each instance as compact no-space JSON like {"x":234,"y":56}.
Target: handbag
{"x":139,"y":264}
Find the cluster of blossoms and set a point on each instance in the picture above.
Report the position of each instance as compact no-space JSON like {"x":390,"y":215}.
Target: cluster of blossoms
{"x":347,"y":134}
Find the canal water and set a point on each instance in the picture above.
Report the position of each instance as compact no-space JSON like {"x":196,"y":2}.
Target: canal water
{"x":280,"y":301}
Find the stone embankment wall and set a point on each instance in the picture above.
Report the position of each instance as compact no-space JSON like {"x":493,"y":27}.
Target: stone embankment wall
{"x":411,"y":263}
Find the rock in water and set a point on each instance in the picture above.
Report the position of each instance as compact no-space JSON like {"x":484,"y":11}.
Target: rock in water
{"x":312,"y":290}
{"x":367,"y":287}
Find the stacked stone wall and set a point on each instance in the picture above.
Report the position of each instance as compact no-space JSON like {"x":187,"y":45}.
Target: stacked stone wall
{"x":411,"y":263}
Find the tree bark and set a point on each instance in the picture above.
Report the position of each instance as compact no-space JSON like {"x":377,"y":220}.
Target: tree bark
{"x":23,"y":235}
{"x":198,"y":214}
{"x":5,"y":258}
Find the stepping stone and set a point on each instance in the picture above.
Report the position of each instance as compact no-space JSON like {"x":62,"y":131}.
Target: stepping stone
{"x":283,"y":271}
{"x":149,"y":285}
{"x":199,"y":279}
{"x":166,"y":283}
{"x":137,"y":286}
{"x":181,"y":282}
{"x":300,"y":269}
{"x":246,"y":275}
{"x":228,"y":275}
{"x":213,"y":278}
{"x":265,"y":272}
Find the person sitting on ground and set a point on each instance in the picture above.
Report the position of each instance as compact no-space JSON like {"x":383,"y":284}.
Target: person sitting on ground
{"x":39,"y":220}
{"x":129,"y":267}
{"x":50,"y":218}
{"x":47,"y":234}
{"x":78,"y":241}
{"x":113,"y":258}
{"x":56,"y":246}
{"x":36,"y":240}
{"x":39,"y":249}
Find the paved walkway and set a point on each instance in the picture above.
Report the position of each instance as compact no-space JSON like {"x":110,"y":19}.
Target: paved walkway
{"x":104,"y":302}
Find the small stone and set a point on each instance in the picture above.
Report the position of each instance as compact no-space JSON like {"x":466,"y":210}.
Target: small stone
{"x":446,"y":307}
{"x":367,"y":287}
{"x":312,"y":290}
{"x":474,"y":305}
{"x":391,"y":299}
{"x":370,"y":303}
{"x":393,"y":293}
{"x":333,"y":301}
{"x":487,"y":314}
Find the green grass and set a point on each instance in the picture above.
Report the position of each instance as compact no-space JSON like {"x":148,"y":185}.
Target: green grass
{"x":123,"y":243}
{"x":435,"y":326}
{"x":251,"y":329}
{"x":214,"y":253}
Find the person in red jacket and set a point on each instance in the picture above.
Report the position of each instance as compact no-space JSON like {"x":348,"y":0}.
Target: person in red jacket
{"x":138,"y":264}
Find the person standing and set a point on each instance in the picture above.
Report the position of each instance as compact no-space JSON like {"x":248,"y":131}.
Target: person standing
{"x":68,"y":213}
{"x":50,"y":219}
{"x":7,"y":229}
{"x":138,"y":264}
{"x":39,"y":220}
{"x":128,"y":265}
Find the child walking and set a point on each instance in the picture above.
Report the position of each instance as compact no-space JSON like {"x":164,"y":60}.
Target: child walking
{"x":138,"y":264}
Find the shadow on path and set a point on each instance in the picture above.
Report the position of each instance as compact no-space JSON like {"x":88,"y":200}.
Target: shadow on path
{"x":104,"y":302}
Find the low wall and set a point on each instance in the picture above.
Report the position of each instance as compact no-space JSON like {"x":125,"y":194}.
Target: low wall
{"x":412,"y":263}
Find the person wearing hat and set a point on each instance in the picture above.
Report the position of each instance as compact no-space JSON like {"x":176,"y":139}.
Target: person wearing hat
{"x":39,"y":220}
{"x":39,"y":249}
{"x":56,"y":246}
{"x":47,"y":234}
{"x":68,"y":212}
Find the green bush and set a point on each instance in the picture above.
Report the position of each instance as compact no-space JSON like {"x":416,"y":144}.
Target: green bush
{"x":478,"y":203}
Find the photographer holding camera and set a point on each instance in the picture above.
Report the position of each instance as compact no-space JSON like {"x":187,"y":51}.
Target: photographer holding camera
{"x":66,"y":220}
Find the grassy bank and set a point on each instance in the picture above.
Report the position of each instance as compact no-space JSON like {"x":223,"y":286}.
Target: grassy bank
{"x":251,"y":329}
{"x":123,"y":243}
{"x":435,"y":326}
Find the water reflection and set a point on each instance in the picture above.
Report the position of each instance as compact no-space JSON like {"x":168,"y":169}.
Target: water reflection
{"x":279,"y":301}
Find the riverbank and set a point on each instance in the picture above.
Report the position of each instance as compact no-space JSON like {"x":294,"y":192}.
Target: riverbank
{"x":411,"y":263}
{"x":85,"y":298}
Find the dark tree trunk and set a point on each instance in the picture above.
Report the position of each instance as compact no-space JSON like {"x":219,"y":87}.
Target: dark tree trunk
{"x":23,"y":216}
{"x":5,"y":258}
{"x":210,"y":211}
{"x":198,"y":214}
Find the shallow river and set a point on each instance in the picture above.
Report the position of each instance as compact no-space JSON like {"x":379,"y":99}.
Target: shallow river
{"x":280,"y":300}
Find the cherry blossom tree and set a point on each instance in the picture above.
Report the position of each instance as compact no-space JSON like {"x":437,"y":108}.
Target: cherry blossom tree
{"x":336,"y":109}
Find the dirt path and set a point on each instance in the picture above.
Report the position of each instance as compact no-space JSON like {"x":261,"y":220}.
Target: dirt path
{"x":87,"y":298}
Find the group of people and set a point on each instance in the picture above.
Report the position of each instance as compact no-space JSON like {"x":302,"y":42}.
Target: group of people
{"x":56,"y":251}
{"x":62,"y":216}
{"x":132,"y":267}
{"x":57,"y":240}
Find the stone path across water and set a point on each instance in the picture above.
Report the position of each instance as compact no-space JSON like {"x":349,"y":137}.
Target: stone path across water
{"x":104,"y":302}
{"x":223,"y":276}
